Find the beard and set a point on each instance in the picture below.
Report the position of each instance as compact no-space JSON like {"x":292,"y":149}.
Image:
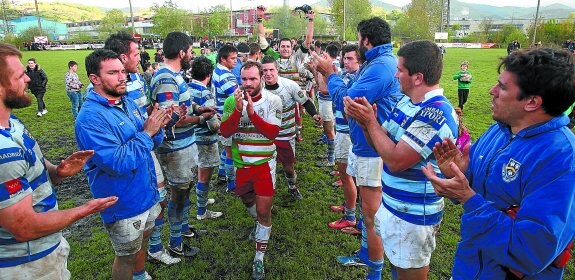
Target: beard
{"x":253,"y":91}
{"x":362,"y":51}
{"x":14,"y":100}
{"x":112,"y":91}
{"x":185,"y":63}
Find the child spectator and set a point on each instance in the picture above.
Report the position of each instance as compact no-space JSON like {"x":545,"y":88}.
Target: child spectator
{"x":463,"y":78}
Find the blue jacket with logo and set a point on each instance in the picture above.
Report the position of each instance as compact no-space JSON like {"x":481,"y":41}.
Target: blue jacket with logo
{"x":122,"y":165}
{"x":534,"y":169}
{"x":375,"y":80}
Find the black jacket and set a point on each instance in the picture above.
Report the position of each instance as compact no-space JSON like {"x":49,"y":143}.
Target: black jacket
{"x":38,"y":79}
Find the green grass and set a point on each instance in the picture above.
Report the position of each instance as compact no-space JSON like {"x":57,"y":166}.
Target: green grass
{"x":301,"y":245}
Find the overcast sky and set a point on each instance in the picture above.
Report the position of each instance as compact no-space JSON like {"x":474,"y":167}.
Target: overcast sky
{"x":237,"y":4}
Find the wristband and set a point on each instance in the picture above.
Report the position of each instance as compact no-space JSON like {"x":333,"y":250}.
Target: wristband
{"x":202,"y":120}
{"x":310,"y":20}
{"x":260,"y":20}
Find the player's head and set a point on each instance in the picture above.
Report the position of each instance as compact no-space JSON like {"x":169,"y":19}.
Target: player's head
{"x":270,"y":70}
{"x":251,"y":75}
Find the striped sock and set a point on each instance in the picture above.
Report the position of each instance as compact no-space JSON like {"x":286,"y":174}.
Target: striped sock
{"x":139,"y":275}
{"x":262,"y":238}
{"x":156,"y":236}
{"x":202,"y":197}
{"x":222,"y":166}
{"x":175,"y":225}
{"x":186,"y":215}
{"x":349,"y":213}
{"x":230,"y":174}
{"x":374,"y":268}
{"x":330,"y":150}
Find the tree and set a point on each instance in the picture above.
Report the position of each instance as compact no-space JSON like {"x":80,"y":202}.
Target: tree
{"x":168,"y":18}
{"x":283,"y":19}
{"x":421,"y":19}
{"x":113,"y":21}
{"x":355,"y":11}
{"x":219,"y":21}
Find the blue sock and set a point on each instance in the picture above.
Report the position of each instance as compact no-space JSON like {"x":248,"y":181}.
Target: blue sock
{"x":186,"y":215}
{"x":175,"y":225}
{"x":374,"y":269}
{"x":393,"y":273}
{"x":140,"y":275}
{"x":202,"y":197}
{"x":363,"y":253}
{"x":349,"y":213}
{"x":330,"y":150}
{"x":359,"y":224}
{"x":324,"y":138}
{"x":156,"y":236}
{"x":230,"y":174}
{"x":222,"y":166}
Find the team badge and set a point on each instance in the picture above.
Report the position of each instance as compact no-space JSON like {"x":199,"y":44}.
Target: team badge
{"x":300,"y":94}
{"x":261,"y":111}
{"x":137,"y":224}
{"x":510,"y":170}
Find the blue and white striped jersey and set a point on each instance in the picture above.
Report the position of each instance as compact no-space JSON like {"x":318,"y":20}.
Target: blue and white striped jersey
{"x":202,"y":96}
{"x":22,"y":173}
{"x":225,"y":83}
{"x":341,"y":125}
{"x":169,"y":88}
{"x":137,"y":90}
{"x":408,"y":194}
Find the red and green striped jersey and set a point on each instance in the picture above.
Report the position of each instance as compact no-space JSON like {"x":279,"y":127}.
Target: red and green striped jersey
{"x":249,"y":146}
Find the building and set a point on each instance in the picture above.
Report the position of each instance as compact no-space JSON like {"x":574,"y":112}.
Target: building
{"x":53,"y":29}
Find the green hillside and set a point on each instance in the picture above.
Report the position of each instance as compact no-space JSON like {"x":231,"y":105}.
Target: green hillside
{"x":61,"y":12}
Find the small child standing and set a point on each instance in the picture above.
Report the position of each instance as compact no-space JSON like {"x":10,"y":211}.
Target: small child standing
{"x":463,"y":78}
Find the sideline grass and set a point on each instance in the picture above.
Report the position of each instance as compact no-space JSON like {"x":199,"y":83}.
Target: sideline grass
{"x":301,"y":244}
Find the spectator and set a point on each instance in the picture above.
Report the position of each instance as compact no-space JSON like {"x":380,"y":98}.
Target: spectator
{"x":73,"y":87}
{"x":37,"y":84}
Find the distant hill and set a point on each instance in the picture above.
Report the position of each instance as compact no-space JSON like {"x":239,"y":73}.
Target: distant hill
{"x":479,"y":11}
{"x":374,"y":3}
{"x":61,"y":12}
{"x":461,"y":10}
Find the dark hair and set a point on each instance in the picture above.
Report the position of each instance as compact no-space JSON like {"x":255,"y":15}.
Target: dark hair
{"x":7,"y":50}
{"x":376,"y":30}
{"x":176,"y":42}
{"x":250,"y":64}
{"x":284,"y":39}
{"x":32,"y":59}
{"x":120,"y":42}
{"x":254,"y":48}
{"x":201,"y":68}
{"x":243,"y":48}
{"x":350,"y":48}
{"x":94,"y":60}
{"x":72,"y":63}
{"x":147,"y":65}
{"x":423,"y":56}
{"x":269,"y":59}
{"x":545,"y":72}
{"x":225,"y":52}
{"x":332,"y":51}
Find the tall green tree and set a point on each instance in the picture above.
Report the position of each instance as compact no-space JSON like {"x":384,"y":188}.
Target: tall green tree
{"x":355,"y":11}
{"x":219,"y":21}
{"x":291,"y":24}
{"x":421,"y":19}
{"x":168,"y":18}
{"x":112,"y":22}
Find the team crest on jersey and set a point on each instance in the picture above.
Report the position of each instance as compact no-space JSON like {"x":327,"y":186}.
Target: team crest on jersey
{"x":261,"y":111}
{"x":137,"y":224}
{"x":510,"y":170}
{"x":300,"y":94}
{"x":279,"y":114}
